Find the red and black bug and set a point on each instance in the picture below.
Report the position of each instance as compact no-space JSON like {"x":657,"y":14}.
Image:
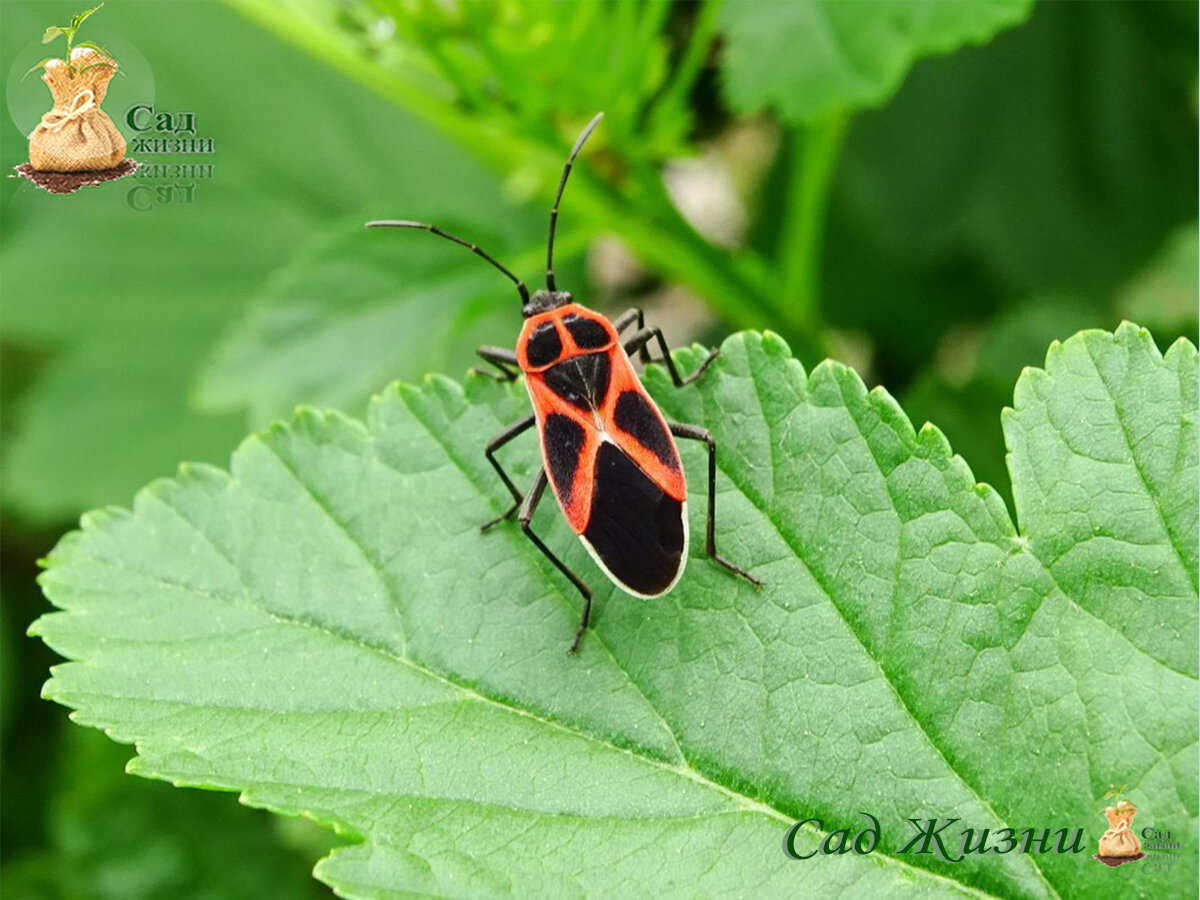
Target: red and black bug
{"x":607,"y":451}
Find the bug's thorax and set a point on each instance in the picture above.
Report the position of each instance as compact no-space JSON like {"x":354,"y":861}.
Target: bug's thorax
{"x":569,"y":332}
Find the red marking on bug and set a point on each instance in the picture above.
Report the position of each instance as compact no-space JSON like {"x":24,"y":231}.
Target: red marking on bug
{"x":596,"y":415}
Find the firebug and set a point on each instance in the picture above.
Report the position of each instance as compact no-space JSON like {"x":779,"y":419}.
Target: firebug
{"x":607,"y":451}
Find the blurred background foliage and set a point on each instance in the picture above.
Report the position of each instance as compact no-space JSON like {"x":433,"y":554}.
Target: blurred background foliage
{"x":931,"y":192}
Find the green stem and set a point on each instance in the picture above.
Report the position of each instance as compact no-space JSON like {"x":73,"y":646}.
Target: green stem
{"x":739,"y":287}
{"x":697,"y":50}
{"x":813,"y":159}
{"x":664,"y":240}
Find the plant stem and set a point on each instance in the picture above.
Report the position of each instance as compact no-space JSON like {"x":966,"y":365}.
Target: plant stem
{"x":740,"y":288}
{"x":698,"y":47}
{"x":664,"y":240}
{"x":813,"y":160}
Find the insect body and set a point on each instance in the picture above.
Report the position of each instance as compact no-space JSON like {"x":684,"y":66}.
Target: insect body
{"x":607,"y":451}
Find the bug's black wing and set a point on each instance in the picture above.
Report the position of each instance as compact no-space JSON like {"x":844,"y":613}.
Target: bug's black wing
{"x":637,"y":532}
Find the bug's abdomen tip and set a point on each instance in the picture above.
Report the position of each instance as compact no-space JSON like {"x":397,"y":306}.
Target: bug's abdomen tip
{"x":636,"y":530}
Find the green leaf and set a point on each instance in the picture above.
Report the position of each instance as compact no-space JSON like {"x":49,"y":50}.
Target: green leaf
{"x":128,"y":394}
{"x":325,"y":630}
{"x":77,"y":19}
{"x":94,"y":65}
{"x":810,"y":58}
{"x":1093,"y":428}
{"x":362,"y":308}
{"x":92,"y":45}
{"x":37,"y":66}
{"x":54,"y":31}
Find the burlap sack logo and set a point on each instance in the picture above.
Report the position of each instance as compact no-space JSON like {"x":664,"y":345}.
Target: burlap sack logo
{"x":1119,"y":844}
{"x":76,"y":143}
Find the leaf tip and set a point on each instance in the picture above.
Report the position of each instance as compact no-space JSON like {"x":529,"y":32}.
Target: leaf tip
{"x":930,"y":437}
{"x":1181,"y":347}
{"x":1132,"y":329}
{"x":34,"y":630}
{"x":775,"y":344}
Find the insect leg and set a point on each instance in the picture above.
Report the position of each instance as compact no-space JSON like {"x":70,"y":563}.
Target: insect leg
{"x":528,"y":507}
{"x":504,"y":360}
{"x":512,"y":431}
{"x":627,"y":318}
{"x":696,"y":433}
{"x":645,"y":335}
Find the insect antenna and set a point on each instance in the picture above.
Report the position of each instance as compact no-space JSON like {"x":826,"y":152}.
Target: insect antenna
{"x":474,"y":248}
{"x":562,"y":184}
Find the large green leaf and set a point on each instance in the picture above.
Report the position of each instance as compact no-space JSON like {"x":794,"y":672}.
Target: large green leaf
{"x":810,"y":58}
{"x":325,"y":630}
